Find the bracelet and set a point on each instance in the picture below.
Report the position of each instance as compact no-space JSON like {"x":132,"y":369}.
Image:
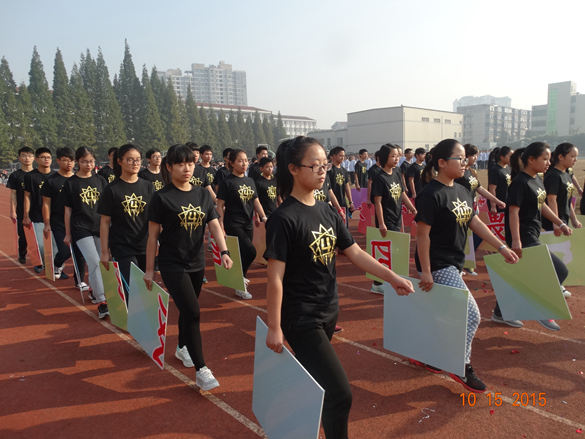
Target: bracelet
{"x":340,"y":211}
{"x":225,"y":252}
{"x":351,"y":202}
{"x":501,"y":247}
{"x":562,"y":224}
{"x":263,"y":219}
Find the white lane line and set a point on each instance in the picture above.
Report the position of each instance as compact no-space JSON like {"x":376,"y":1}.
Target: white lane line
{"x":212,"y":398}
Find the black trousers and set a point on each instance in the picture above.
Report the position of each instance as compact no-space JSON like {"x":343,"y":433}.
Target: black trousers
{"x":185,"y":288}
{"x":63,"y":251}
{"x":22,"y":244}
{"x":247,"y":249}
{"x":124,"y":265}
{"x":312,"y":347}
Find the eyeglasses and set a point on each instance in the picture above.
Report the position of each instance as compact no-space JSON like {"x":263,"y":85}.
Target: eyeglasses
{"x":131,"y":161}
{"x":462,"y":160}
{"x":44,"y":157}
{"x":317,"y":168}
{"x":87,"y":162}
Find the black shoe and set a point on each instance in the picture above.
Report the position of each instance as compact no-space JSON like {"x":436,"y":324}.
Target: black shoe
{"x":64,"y":275}
{"x":103,"y":310}
{"x":91,"y":296}
{"x":38,"y":268}
{"x":470,"y":381}
{"x":22,"y":259}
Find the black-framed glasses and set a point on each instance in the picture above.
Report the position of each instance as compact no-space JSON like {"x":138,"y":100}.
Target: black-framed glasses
{"x":317,"y":168}
{"x":462,"y":160}
{"x":132,"y":161}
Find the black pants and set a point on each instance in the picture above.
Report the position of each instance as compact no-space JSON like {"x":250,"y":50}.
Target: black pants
{"x":63,"y":251}
{"x":124,"y":265}
{"x":312,"y":347}
{"x":247,"y":249}
{"x":560,"y":268}
{"x":22,"y":245}
{"x":185,"y":288}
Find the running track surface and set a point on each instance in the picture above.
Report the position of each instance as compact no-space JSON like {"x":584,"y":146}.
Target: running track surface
{"x":66,"y":374}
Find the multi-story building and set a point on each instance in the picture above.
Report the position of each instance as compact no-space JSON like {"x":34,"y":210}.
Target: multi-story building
{"x":336,"y":136}
{"x":212,"y":84}
{"x":564,"y":112}
{"x":298,"y":125}
{"x":484,"y":125}
{"x":468,"y":101}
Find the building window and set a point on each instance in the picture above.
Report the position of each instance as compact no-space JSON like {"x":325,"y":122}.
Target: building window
{"x":340,"y":141}
{"x":437,"y":120}
{"x":425,"y":119}
{"x":572,"y":110}
{"x":447,"y":121}
{"x":572,"y":121}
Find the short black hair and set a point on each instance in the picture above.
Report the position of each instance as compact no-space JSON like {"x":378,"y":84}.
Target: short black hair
{"x":264,"y":160}
{"x":65,"y":152}
{"x":362,"y":151}
{"x":193,"y":146}
{"x":112,"y":149}
{"x":26,"y":149}
{"x":205,"y":148}
{"x":151,"y":151}
{"x":226,"y":152}
{"x":418,"y":151}
{"x":260,"y":149}
{"x":42,"y":150}
{"x":336,"y":150}
{"x":407,"y":150}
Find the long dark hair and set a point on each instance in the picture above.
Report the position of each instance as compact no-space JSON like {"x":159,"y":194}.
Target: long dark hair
{"x":176,"y":154}
{"x":563,"y":149}
{"x":534,"y":150}
{"x":290,"y":152}
{"x":442,"y":151}
{"x":120,"y":153}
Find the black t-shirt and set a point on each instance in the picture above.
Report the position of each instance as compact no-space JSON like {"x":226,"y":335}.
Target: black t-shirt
{"x":529,"y":195}
{"x":415,"y":171}
{"x":448,"y":210}
{"x":254,"y":171}
{"x":155,"y":179}
{"x":16,"y":182}
{"x":52,"y":189}
{"x":390,"y":188}
{"x":127,"y":205}
{"x":221,"y":174}
{"x":501,"y":177}
{"x":210,"y":171}
{"x":372,"y":173}
{"x":560,"y":184}
{"x":361,"y":173}
{"x":199,"y":177}
{"x":183,"y":216}
{"x":338,"y":177}
{"x":470,"y":182}
{"x":33,"y":182}
{"x":267,"y":194}
{"x":107,"y":173}
{"x":83,"y":195}
{"x":305,"y":238}
{"x":323,"y":193}
{"x":239,"y":194}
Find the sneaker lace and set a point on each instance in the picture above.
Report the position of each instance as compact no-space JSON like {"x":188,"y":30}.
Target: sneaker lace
{"x":205,"y":374}
{"x":470,"y":373}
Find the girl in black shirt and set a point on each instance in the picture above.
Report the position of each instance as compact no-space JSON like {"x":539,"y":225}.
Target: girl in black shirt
{"x":124,"y":206}
{"x":237,"y":198}
{"x":182,"y":211}
{"x":82,"y":222}
{"x":526,"y":203}
{"x":444,"y":213}
{"x":302,"y":301}
{"x":499,"y":177}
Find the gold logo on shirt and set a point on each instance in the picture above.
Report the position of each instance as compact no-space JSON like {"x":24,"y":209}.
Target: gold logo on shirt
{"x":42,"y":183}
{"x":340,"y":179}
{"x":541,"y":195}
{"x":158,"y":185}
{"x":462,"y":212}
{"x":89,"y":195}
{"x":395,"y":191}
{"x":210,"y":177}
{"x":272,"y":192}
{"x":133,"y":205}
{"x":111,"y":178}
{"x":570,"y":190}
{"x":195,"y":181}
{"x":473,"y":183}
{"x":246,"y":193}
{"x":323,"y":246}
{"x":191,"y":217}
{"x":508,"y":179}
{"x":319,"y":195}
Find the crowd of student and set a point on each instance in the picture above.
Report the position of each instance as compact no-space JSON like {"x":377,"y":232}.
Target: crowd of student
{"x":127,"y":214}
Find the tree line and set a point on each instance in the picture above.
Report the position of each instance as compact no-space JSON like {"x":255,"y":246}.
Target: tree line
{"x":86,"y":108}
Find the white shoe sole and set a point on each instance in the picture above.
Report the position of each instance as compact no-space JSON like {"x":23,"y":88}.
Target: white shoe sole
{"x":243,"y":295}
{"x":208,"y":386}
{"x":186,"y":363}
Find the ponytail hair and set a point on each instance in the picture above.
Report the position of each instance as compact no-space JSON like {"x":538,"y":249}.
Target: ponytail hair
{"x":563,"y":149}
{"x":504,"y":151}
{"x":515,"y":162}
{"x":442,"y":151}
{"x":120,"y":153}
{"x":290,"y":152}
{"x":534,"y":150}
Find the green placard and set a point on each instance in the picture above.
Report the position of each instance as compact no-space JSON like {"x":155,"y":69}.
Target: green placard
{"x":392,"y":251}
{"x":48,"y":257}
{"x":148,"y":316}
{"x":114,"y":291}
{"x":234,"y":277}
{"x":469,"y":251}
{"x":528,"y":290}
{"x":571,"y":250}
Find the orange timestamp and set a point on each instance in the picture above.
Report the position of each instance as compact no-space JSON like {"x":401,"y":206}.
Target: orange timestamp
{"x":518,"y":399}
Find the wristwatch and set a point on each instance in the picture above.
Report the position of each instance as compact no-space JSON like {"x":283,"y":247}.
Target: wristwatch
{"x":225,"y":252}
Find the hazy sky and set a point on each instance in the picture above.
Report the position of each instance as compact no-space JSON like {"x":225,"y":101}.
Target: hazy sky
{"x":321,"y":59}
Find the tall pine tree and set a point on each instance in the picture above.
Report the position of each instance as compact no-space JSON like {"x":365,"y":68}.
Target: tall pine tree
{"x":259,"y":138}
{"x":30,"y":136}
{"x":224,"y":138}
{"x":193,"y":117}
{"x":64,"y":110}
{"x":247,"y":140}
{"x":267,"y":128}
{"x":7,"y":152}
{"x":205,"y":128}
{"x":82,"y":126}
{"x":44,"y":119}
{"x":278,"y":129}
{"x":241,"y":126}
{"x":214,"y":126}
{"x":233,"y":126}
{"x":128,"y":93}
{"x":151,"y":132}
{"x":88,"y":72}
{"x":176,"y":132}
{"x":184,"y":117}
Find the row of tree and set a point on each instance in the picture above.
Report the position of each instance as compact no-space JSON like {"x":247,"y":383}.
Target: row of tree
{"x":87,"y":109}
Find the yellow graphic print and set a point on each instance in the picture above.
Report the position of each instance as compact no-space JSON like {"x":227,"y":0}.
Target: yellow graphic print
{"x":541,"y":195}
{"x":246,"y":193}
{"x":195,"y":181}
{"x":473,"y":183}
{"x":158,"y":185}
{"x":111,"y":178}
{"x":462,"y":212}
{"x":508,"y":179}
{"x":90,"y":196}
{"x":323,"y":246}
{"x":340,"y":179}
{"x":210,"y":177}
{"x":272,"y":192}
{"x":42,"y":183}
{"x":133,"y":205}
{"x":570,"y":190}
{"x":319,"y":195}
{"x":191,"y":217}
{"x":395,"y":191}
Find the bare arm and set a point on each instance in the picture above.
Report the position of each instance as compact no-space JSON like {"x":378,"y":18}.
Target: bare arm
{"x":479,"y":228}
{"x":489,"y":196}
{"x":47,"y":216}
{"x":412,"y":189}
{"x":576,"y":223}
{"x":104,"y":240}
{"x":576,"y":184}
{"x":275,"y":272}
{"x":151,"y":245}
{"x":67,"y":221}
{"x":348,"y":193}
{"x":13,"y":205}
{"x":26,"y":206}
{"x":213,"y":197}
{"x":514,"y":219}
{"x":369,"y":192}
{"x":380,"y":216}
{"x":408,"y":203}
{"x":217,"y":235}
{"x":423,"y":243}
{"x":221,"y":211}
{"x":551,"y":201}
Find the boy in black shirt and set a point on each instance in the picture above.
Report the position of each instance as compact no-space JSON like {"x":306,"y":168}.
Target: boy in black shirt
{"x":224,"y":171}
{"x":33,"y":200}
{"x":206,"y":157}
{"x":361,"y":173}
{"x":108,"y":171}
{"x":254,"y":171}
{"x":16,"y":186}
{"x":152,"y":172}
{"x":415,"y":171}
{"x":404,"y":169}
{"x":339,"y":178}
{"x":372,"y":173}
{"x":266,"y":187}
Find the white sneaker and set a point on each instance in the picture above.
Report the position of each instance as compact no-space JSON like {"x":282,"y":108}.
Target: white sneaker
{"x":246,"y":281}
{"x":57,"y":272}
{"x":566,"y":293}
{"x":243,"y":294}
{"x":183,"y":355}
{"x":205,"y":379}
{"x":378,"y":289}
{"x":84,"y":287}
